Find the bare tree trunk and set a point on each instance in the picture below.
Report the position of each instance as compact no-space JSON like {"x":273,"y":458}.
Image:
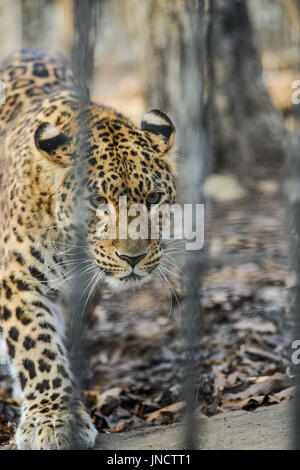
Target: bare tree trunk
{"x":173,"y":65}
{"x":245,"y":127}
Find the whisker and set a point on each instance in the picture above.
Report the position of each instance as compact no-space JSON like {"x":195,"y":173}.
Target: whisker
{"x":68,"y":276}
{"x":95,"y":280}
{"x":71,"y":246}
{"x":68,"y":262}
{"x":169,"y":271}
{"x":176,"y":266}
{"x":168,"y":292}
{"x":172,"y":290}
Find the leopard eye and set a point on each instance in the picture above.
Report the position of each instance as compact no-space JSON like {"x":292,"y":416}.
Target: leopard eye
{"x":97,"y":201}
{"x":154,"y":198}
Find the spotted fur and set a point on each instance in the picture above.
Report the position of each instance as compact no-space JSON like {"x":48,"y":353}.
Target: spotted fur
{"x":41,"y":182}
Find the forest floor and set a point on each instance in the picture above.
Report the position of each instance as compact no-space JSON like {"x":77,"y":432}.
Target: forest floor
{"x":136,"y":346}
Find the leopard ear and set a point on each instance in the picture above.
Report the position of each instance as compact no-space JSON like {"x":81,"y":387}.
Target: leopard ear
{"x":54,"y":144}
{"x":159,"y":123}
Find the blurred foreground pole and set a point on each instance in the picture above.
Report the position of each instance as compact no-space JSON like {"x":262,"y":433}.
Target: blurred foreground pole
{"x":295,"y":290}
{"x":174,"y":54}
{"x":293,"y":195}
{"x":194,"y":145}
{"x":85,"y":16}
{"x":33,"y":21}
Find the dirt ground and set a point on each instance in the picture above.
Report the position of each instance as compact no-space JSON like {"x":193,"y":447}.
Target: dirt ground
{"x":136,"y":349}
{"x":266,"y":428}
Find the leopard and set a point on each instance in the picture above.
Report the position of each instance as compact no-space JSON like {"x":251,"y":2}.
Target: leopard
{"x":49,"y":167}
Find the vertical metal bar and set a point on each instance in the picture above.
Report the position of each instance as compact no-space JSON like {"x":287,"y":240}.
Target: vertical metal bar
{"x":295,"y":290}
{"x":195,"y":167}
{"x":32,"y":21}
{"x":192,"y":332}
{"x":85,"y":15}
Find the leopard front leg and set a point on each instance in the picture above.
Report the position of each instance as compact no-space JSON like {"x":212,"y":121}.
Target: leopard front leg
{"x":53,"y":416}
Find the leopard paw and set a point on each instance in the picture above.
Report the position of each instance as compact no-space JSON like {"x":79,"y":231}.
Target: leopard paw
{"x":56,"y":430}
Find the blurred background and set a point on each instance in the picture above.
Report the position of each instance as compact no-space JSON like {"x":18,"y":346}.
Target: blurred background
{"x":223,"y":71}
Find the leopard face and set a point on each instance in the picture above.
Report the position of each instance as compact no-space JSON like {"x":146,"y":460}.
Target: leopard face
{"x":118,"y":160}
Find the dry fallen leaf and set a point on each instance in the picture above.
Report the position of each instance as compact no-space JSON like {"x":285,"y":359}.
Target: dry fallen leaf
{"x":100,"y":398}
{"x":260,"y":399}
{"x":264,"y":354}
{"x":241,"y":404}
{"x":219,"y":382}
{"x":283,"y":395}
{"x":260,"y":387}
{"x":119,"y":427}
{"x":174,"y":408}
{"x":260,"y":327}
{"x":5,"y":431}
{"x":233,"y":379}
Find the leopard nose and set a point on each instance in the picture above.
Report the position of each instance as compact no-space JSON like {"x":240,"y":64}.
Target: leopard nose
{"x":132,"y":260}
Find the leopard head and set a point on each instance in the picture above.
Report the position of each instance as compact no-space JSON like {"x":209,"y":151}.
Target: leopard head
{"x":114,"y":162}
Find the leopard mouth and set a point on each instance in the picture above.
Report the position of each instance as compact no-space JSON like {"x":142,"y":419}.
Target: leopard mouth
{"x":132,"y":277}
{"x":126,"y":282}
